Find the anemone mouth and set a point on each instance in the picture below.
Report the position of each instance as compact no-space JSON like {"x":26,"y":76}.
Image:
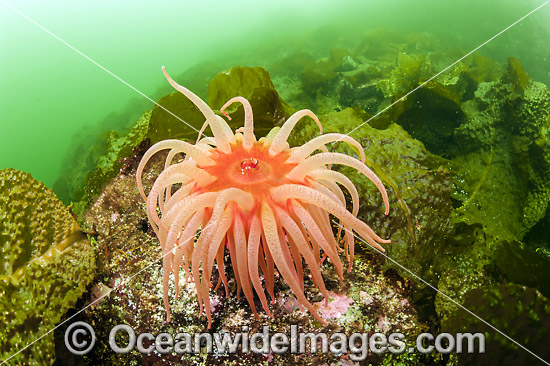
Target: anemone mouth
{"x":248,"y":165}
{"x":252,"y":170}
{"x":269,"y":205}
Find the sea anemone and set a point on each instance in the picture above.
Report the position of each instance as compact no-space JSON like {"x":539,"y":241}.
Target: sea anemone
{"x":267,"y":203}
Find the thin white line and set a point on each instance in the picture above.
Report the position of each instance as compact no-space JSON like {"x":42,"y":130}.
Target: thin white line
{"x":448,"y":67}
{"x":91,"y":60}
{"x":95,"y":301}
{"x":139,"y":92}
{"x":399,"y":100}
{"x":447,"y":297}
{"x":153,"y":262}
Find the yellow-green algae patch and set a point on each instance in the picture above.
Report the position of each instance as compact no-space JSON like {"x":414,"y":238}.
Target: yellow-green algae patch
{"x":46,"y":262}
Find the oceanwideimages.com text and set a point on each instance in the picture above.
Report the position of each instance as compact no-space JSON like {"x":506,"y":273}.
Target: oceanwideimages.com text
{"x":123,"y":339}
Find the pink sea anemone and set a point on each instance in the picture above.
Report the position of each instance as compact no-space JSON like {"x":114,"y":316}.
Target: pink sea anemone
{"x":267,"y":203}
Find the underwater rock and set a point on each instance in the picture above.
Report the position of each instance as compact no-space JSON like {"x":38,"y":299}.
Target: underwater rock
{"x":46,"y":264}
{"x":520,"y":312}
{"x":368,"y":300}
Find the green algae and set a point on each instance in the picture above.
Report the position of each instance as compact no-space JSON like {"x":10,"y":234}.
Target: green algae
{"x":511,"y":153}
{"x":497,"y":197}
{"x":46,"y":265}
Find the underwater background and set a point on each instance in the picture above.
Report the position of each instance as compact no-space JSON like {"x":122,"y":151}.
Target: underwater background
{"x":59,"y":102}
{"x":467,"y":157}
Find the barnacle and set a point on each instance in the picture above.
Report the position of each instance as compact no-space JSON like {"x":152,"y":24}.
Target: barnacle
{"x":268,"y":204}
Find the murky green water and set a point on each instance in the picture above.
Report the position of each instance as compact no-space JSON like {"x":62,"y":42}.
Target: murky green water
{"x":55,"y":102}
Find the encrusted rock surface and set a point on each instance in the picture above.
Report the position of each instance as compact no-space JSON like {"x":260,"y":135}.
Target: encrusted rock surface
{"x":46,"y":263}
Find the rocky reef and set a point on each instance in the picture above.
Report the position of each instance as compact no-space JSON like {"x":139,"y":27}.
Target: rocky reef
{"x":465,"y":159}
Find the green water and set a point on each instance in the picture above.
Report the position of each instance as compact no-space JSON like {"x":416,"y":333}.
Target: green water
{"x":54,"y":102}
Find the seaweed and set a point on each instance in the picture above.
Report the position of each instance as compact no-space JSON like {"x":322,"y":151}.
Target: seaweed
{"x":254,"y":84}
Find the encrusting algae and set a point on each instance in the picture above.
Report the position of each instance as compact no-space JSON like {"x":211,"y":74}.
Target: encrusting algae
{"x":46,"y":264}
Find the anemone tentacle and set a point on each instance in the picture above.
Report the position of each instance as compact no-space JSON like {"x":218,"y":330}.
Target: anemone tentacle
{"x":166,"y":193}
{"x":248,"y":135}
{"x":264,"y":203}
{"x":242,"y":263}
{"x":322,"y":159}
{"x":271,"y":234}
{"x":221,"y":270}
{"x":325,"y":175}
{"x":313,"y":229}
{"x":221,"y":130}
{"x":320,"y":141}
{"x":310,"y":195}
{"x":184,"y":248}
{"x":280,"y":139}
{"x":182,"y":192}
{"x":231,"y":194}
{"x":329,"y":193}
{"x":198,"y":155}
{"x":253,"y":260}
{"x":158,"y":187}
{"x":293,"y":230}
{"x":333,"y":187}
